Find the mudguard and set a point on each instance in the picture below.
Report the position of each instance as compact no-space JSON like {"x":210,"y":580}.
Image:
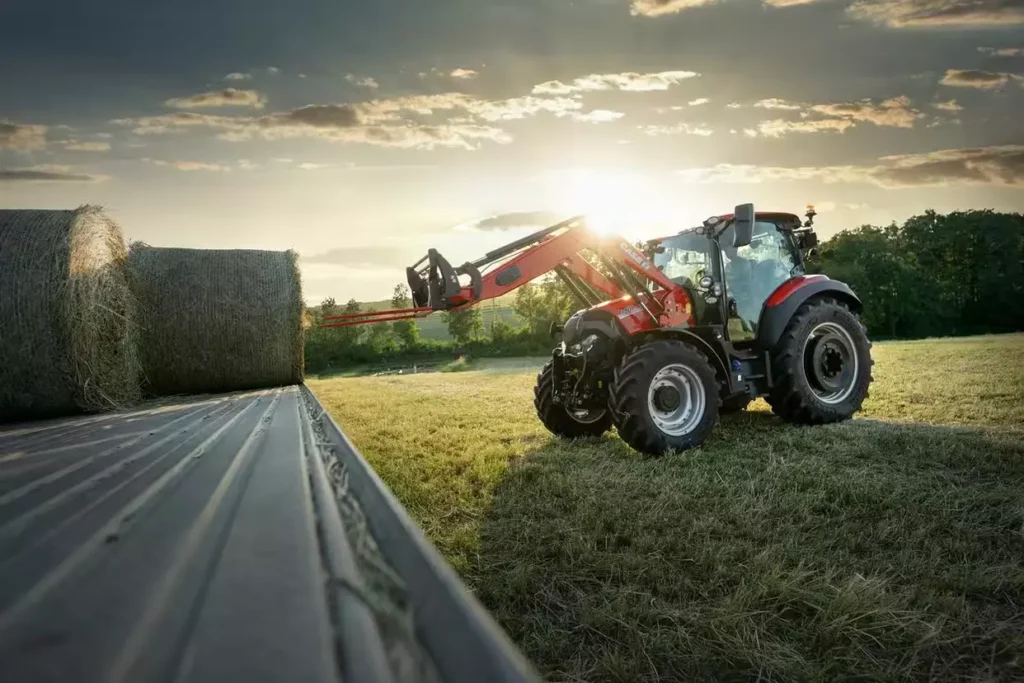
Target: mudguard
{"x":780,"y":307}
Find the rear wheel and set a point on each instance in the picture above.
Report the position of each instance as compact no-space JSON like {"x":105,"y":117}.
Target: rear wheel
{"x":665,"y":397}
{"x":558,"y":420}
{"x":821,"y":365}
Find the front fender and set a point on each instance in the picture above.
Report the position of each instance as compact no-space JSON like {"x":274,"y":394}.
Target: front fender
{"x":784,"y":302}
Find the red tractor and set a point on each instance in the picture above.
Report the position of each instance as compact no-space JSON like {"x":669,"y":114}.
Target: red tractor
{"x":671,"y":335}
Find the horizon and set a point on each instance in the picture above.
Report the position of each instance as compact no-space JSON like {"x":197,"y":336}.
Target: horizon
{"x":361,"y":135}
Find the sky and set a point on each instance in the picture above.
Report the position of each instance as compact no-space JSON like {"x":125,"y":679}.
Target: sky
{"x":361,"y":133}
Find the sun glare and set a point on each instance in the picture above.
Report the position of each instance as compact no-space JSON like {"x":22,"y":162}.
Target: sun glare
{"x":623,"y":202}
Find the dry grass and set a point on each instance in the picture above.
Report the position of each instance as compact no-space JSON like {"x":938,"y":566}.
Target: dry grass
{"x":68,"y":341}
{"x":886,"y":549}
{"x":218,"y":320}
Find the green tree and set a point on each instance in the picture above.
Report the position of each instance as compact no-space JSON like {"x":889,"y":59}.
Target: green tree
{"x":465,"y":324}
{"x":540,"y":304}
{"x":406,"y":331}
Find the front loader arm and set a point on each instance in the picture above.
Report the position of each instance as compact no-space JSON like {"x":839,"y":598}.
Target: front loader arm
{"x":437,"y":285}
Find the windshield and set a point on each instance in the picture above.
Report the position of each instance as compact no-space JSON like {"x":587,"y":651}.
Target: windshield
{"x":686,"y":258}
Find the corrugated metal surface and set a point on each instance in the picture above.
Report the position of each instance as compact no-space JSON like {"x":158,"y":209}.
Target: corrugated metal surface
{"x":201,"y":540}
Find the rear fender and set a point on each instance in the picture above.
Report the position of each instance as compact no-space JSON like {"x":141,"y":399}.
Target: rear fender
{"x":784,"y":302}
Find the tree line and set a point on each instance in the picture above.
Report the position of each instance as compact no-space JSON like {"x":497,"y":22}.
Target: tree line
{"x":934,"y":275}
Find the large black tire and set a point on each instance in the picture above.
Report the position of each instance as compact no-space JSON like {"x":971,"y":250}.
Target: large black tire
{"x":557,"y":419}
{"x":633,"y":397}
{"x":798,"y":394}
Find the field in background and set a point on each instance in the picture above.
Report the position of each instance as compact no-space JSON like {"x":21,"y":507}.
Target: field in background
{"x":433,"y":327}
{"x":886,"y":548}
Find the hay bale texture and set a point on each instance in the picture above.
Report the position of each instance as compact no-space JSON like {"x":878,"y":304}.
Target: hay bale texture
{"x":217,"y":320}
{"x":67,"y":339}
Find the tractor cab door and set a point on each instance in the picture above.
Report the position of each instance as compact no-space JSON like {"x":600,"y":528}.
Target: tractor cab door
{"x":753,"y":272}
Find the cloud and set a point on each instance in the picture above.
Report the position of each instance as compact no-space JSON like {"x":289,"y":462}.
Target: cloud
{"x":86,"y":146}
{"x":895,"y":112}
{"x":597,"y":116}
{"x":779,"y":127}
{"x":48,"y":174}
{"x":362,"y":82}
{"x":21,"y":136}
{"x":238,"y":76}
{"x":273,"y":70}
{"x":699,"y":101}
{"x":677,"y":129}
{"x":773,"y":103}
{"x":247,"y":165}
{"x":975,"y":78}
{"x":630,"y":81}
{"x":949,"y":105}
{"x":1002,"y":52}
{"x":228,"y":97}
{"x":310,"y":166}
{"x":998,"y":165}
{"x":323,"y":116}
{"x":463,"y":73}
{"x":189,"y":165}
{"x":516,"y":220}
{"x":657,"y":8}
{"x":940,"y":13}
{"x":330,"y":122}
{"x":405,"y":122}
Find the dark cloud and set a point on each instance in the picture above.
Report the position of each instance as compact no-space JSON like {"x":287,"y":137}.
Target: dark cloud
{"x":228,"y":97}
{"x":980,"y":13}
{"x":997,"y":165}
{"x":21,"y":137}
{"x":517,"y":219}
{"x":23,"y":175}
{"x":976,"y":78}
{"x":323,"y":116}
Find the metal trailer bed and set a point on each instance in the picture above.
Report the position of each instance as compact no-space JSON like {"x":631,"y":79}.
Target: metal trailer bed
{"x":238,"y":537}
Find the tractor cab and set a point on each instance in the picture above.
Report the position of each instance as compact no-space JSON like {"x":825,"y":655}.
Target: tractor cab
{"x":732,"y":264}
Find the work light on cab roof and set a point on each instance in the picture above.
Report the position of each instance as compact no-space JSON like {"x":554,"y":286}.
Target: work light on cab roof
{"x":670,"y":335}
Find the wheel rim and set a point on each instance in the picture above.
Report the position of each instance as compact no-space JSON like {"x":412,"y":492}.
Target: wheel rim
{"x":830,"y":362}
{"x":586,"y":417}
{"x":676,"y":400}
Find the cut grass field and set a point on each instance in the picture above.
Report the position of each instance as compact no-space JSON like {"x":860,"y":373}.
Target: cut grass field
{"x":888,"y":548}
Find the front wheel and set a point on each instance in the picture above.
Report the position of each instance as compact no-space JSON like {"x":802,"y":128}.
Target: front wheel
{"x":558,"y":420}
{"x":821,"y":365}
{"x":665,"y":397}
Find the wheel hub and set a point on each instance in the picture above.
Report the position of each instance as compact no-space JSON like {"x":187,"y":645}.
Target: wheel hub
{"x":666,"y":398}
{"x":676,"y":400}
{"x":830,"y":362}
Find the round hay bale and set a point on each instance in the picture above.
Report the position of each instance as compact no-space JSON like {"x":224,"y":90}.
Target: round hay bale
{"x":67,"y":334}
{"x":217,"y":320}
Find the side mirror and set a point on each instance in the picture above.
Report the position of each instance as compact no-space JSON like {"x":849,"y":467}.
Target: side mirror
{"x":809,"y":240}
{"x":743,"y":225}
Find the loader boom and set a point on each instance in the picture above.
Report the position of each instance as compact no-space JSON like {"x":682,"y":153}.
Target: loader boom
{"x":436,"y":285}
